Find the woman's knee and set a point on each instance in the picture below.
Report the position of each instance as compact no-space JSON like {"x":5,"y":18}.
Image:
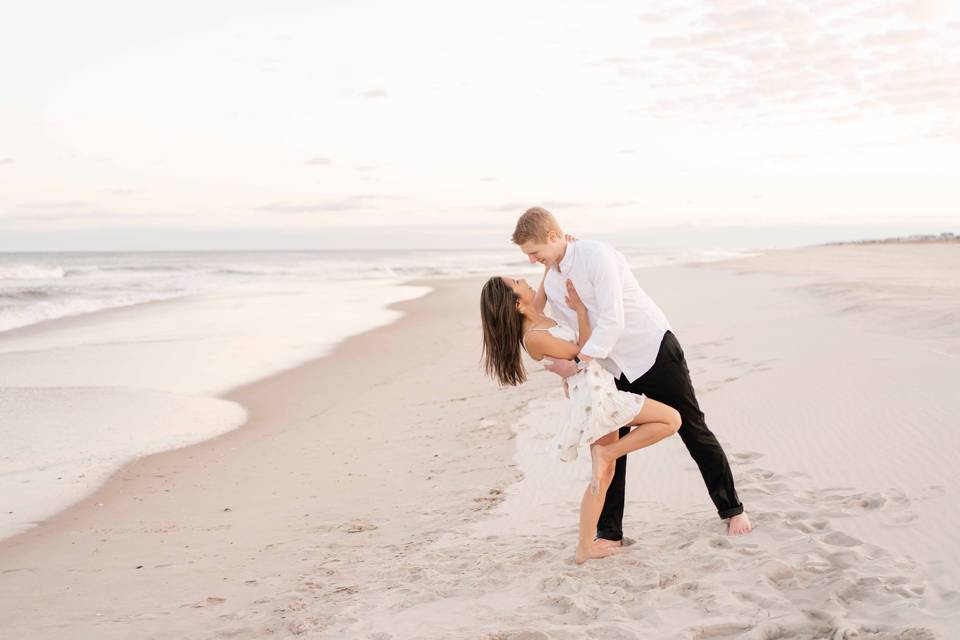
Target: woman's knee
{"x":674,"y":420}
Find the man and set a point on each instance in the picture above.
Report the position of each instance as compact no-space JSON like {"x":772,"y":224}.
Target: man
{"x":632,"y":339}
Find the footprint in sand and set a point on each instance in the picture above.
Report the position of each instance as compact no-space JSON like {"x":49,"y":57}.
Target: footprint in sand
{"x":610,"y":632}
{"x":844,"y":559}
{"x":901,"y":519}
{"x":567,"y":606}
{"x":720,"y":543}
{"x":840,"y":539}
{"x":781,"y":575}
{"x":560,"y":583}
{"x":667,"y":580}
{"x":771,"y":488}
{"x":868,"y":502}
{"x":521,"y":634}
{"x":719,"y":631}
{"x":933,"y":491}
{"x":747,"y":456}
{"x":212,"y":600}
{"x":807,"y":526}
{"x":358,"y":526}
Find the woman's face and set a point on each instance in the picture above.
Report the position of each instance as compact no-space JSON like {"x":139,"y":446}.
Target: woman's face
{"x":520,"y":287}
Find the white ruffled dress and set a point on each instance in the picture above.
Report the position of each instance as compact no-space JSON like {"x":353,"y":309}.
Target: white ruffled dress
{"x":596,"y":407}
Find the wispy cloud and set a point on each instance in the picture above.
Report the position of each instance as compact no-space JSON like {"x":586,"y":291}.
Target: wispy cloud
{"x":618,"y":112}
{"x":124,"y":191}
{"x":653,"y":18}
{"x":629,"y":68}
{"x":85,"y":216}
{"x":57,"y":204}
{"x":358,"y":202}
{"x":897,"y":37}
{"x":785,"y":62}
{"x":520,"y":207}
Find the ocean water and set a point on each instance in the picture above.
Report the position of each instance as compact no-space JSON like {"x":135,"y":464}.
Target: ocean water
{"x":36,"y":287}
{"x":41,"y":286}
{"x":105,"y":357}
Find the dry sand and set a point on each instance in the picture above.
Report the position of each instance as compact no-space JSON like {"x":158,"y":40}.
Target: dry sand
{"x":391,"y":491}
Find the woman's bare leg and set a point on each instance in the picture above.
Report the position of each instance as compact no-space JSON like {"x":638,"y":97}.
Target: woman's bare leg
{"x":655,"y":422}
{"x":592,"y":504}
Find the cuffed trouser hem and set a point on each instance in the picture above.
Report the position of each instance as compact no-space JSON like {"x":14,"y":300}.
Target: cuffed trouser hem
{"x":610,"y":535}
{"x":729,"y":513}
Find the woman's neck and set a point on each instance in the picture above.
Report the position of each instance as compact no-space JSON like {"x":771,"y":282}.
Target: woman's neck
{"x":533,"y":319}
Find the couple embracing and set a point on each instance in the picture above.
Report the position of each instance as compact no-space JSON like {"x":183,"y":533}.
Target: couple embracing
{"x":624,"y":374}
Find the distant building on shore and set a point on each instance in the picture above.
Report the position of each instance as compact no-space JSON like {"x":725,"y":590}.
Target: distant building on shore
{"x":947,"y":236}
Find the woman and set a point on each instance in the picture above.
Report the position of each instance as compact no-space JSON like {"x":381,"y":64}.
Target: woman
{"x":512,"y":316}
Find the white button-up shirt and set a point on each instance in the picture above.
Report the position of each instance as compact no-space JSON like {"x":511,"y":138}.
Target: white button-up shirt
{"x":627,"y":325}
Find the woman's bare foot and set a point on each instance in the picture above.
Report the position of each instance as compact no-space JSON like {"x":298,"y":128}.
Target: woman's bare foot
{"x":739,"y":525}
{"x":593,"y":552}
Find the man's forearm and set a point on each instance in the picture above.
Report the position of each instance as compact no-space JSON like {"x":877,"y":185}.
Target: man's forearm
{"x":602,"y":341}
{"x":584,"y":330}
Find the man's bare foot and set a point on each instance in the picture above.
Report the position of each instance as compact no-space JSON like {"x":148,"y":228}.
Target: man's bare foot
{"x":593,"y":552}
{"x":601,"y":542}
{"x":739,"y":525}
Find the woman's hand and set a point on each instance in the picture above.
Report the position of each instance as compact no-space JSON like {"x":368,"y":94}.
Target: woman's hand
{"x":563,"y":368}
{"x":573,"y":298}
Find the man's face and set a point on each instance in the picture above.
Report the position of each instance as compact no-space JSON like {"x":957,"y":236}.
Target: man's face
{"x":547,"y":252}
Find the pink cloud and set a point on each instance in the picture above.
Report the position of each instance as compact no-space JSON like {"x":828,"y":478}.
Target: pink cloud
{"x":776,"y":62}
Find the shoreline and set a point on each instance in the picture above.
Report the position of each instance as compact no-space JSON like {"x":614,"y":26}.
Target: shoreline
{"x":169,"y":511}
{"x":388,"y":485}
{"x":84,"y":395}
{"x":85,"y":317}
{"x":238,"y":394}
{"x":128,"y":313}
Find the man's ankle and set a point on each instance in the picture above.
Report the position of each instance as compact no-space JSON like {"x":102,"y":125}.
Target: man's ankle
{"x":605,"y":542}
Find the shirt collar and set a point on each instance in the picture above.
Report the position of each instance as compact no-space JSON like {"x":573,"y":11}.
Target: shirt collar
{"x":568,"y":258}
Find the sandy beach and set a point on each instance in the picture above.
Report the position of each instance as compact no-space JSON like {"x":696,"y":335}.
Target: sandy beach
{"x":389,"y":490}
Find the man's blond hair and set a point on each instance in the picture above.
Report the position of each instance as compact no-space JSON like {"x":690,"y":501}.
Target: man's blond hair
{"x":535,"y":224}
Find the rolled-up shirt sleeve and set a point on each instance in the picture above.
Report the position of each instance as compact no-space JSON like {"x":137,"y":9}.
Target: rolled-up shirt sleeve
{"x":608,"y":316}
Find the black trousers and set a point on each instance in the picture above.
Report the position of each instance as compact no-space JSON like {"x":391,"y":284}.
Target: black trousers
{"x":669,"y":382}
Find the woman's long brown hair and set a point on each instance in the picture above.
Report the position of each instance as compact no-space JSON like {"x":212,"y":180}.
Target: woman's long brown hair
{"x":502,"y":333}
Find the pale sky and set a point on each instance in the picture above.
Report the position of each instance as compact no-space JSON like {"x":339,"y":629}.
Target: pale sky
{"x":136,"y":120}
